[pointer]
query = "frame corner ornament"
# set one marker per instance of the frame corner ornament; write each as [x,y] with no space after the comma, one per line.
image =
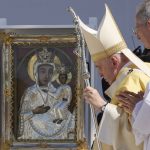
[82,145]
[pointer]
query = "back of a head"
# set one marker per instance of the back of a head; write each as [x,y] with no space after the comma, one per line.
[143,11]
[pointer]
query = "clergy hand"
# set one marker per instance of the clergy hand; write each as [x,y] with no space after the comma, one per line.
[41,109]
[128,99]
[92,97]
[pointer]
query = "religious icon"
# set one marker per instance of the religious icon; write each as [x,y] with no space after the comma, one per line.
[44,110]
[42,86]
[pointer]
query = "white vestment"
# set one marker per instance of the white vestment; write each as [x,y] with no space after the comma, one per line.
[42,126]
[64,96]
[141,120]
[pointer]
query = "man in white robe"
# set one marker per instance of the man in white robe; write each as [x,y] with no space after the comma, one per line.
[140,110]
[110,55]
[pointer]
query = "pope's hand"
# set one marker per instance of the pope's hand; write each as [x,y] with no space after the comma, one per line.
[92,97]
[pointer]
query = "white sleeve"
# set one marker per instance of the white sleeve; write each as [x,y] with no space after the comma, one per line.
[108,128]
[141,121]
[136,110]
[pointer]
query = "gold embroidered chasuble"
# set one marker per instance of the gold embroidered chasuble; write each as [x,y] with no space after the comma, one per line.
[115,128]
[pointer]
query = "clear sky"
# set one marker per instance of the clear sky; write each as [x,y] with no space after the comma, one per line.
[53,12]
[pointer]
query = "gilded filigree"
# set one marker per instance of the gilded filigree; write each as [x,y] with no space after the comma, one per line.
[19,59]
[8,92]
[82,145]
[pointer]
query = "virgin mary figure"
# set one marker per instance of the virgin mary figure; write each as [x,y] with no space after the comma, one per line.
[37,107]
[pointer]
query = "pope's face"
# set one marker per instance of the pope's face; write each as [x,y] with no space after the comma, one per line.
[106,70]
[45,73]
[143,32]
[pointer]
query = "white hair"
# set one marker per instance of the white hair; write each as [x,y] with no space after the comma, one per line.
[143,11]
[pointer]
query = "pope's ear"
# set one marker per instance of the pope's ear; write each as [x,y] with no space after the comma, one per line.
[115,61]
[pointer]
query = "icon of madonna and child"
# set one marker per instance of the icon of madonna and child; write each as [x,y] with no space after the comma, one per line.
[44,112]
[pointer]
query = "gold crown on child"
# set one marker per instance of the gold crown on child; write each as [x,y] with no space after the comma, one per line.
[63,69]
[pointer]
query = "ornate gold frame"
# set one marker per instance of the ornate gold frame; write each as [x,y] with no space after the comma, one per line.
[7,139]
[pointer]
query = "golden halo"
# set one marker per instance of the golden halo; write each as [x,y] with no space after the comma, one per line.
[69,77]
[33,60]
[31,63]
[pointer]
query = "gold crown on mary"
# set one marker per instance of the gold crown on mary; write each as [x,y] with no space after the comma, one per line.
[45,56]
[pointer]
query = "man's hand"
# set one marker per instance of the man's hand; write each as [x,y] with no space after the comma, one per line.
[128,99]
[41,109]
[92,97]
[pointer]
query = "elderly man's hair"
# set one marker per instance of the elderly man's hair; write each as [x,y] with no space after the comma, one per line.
[143,11]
